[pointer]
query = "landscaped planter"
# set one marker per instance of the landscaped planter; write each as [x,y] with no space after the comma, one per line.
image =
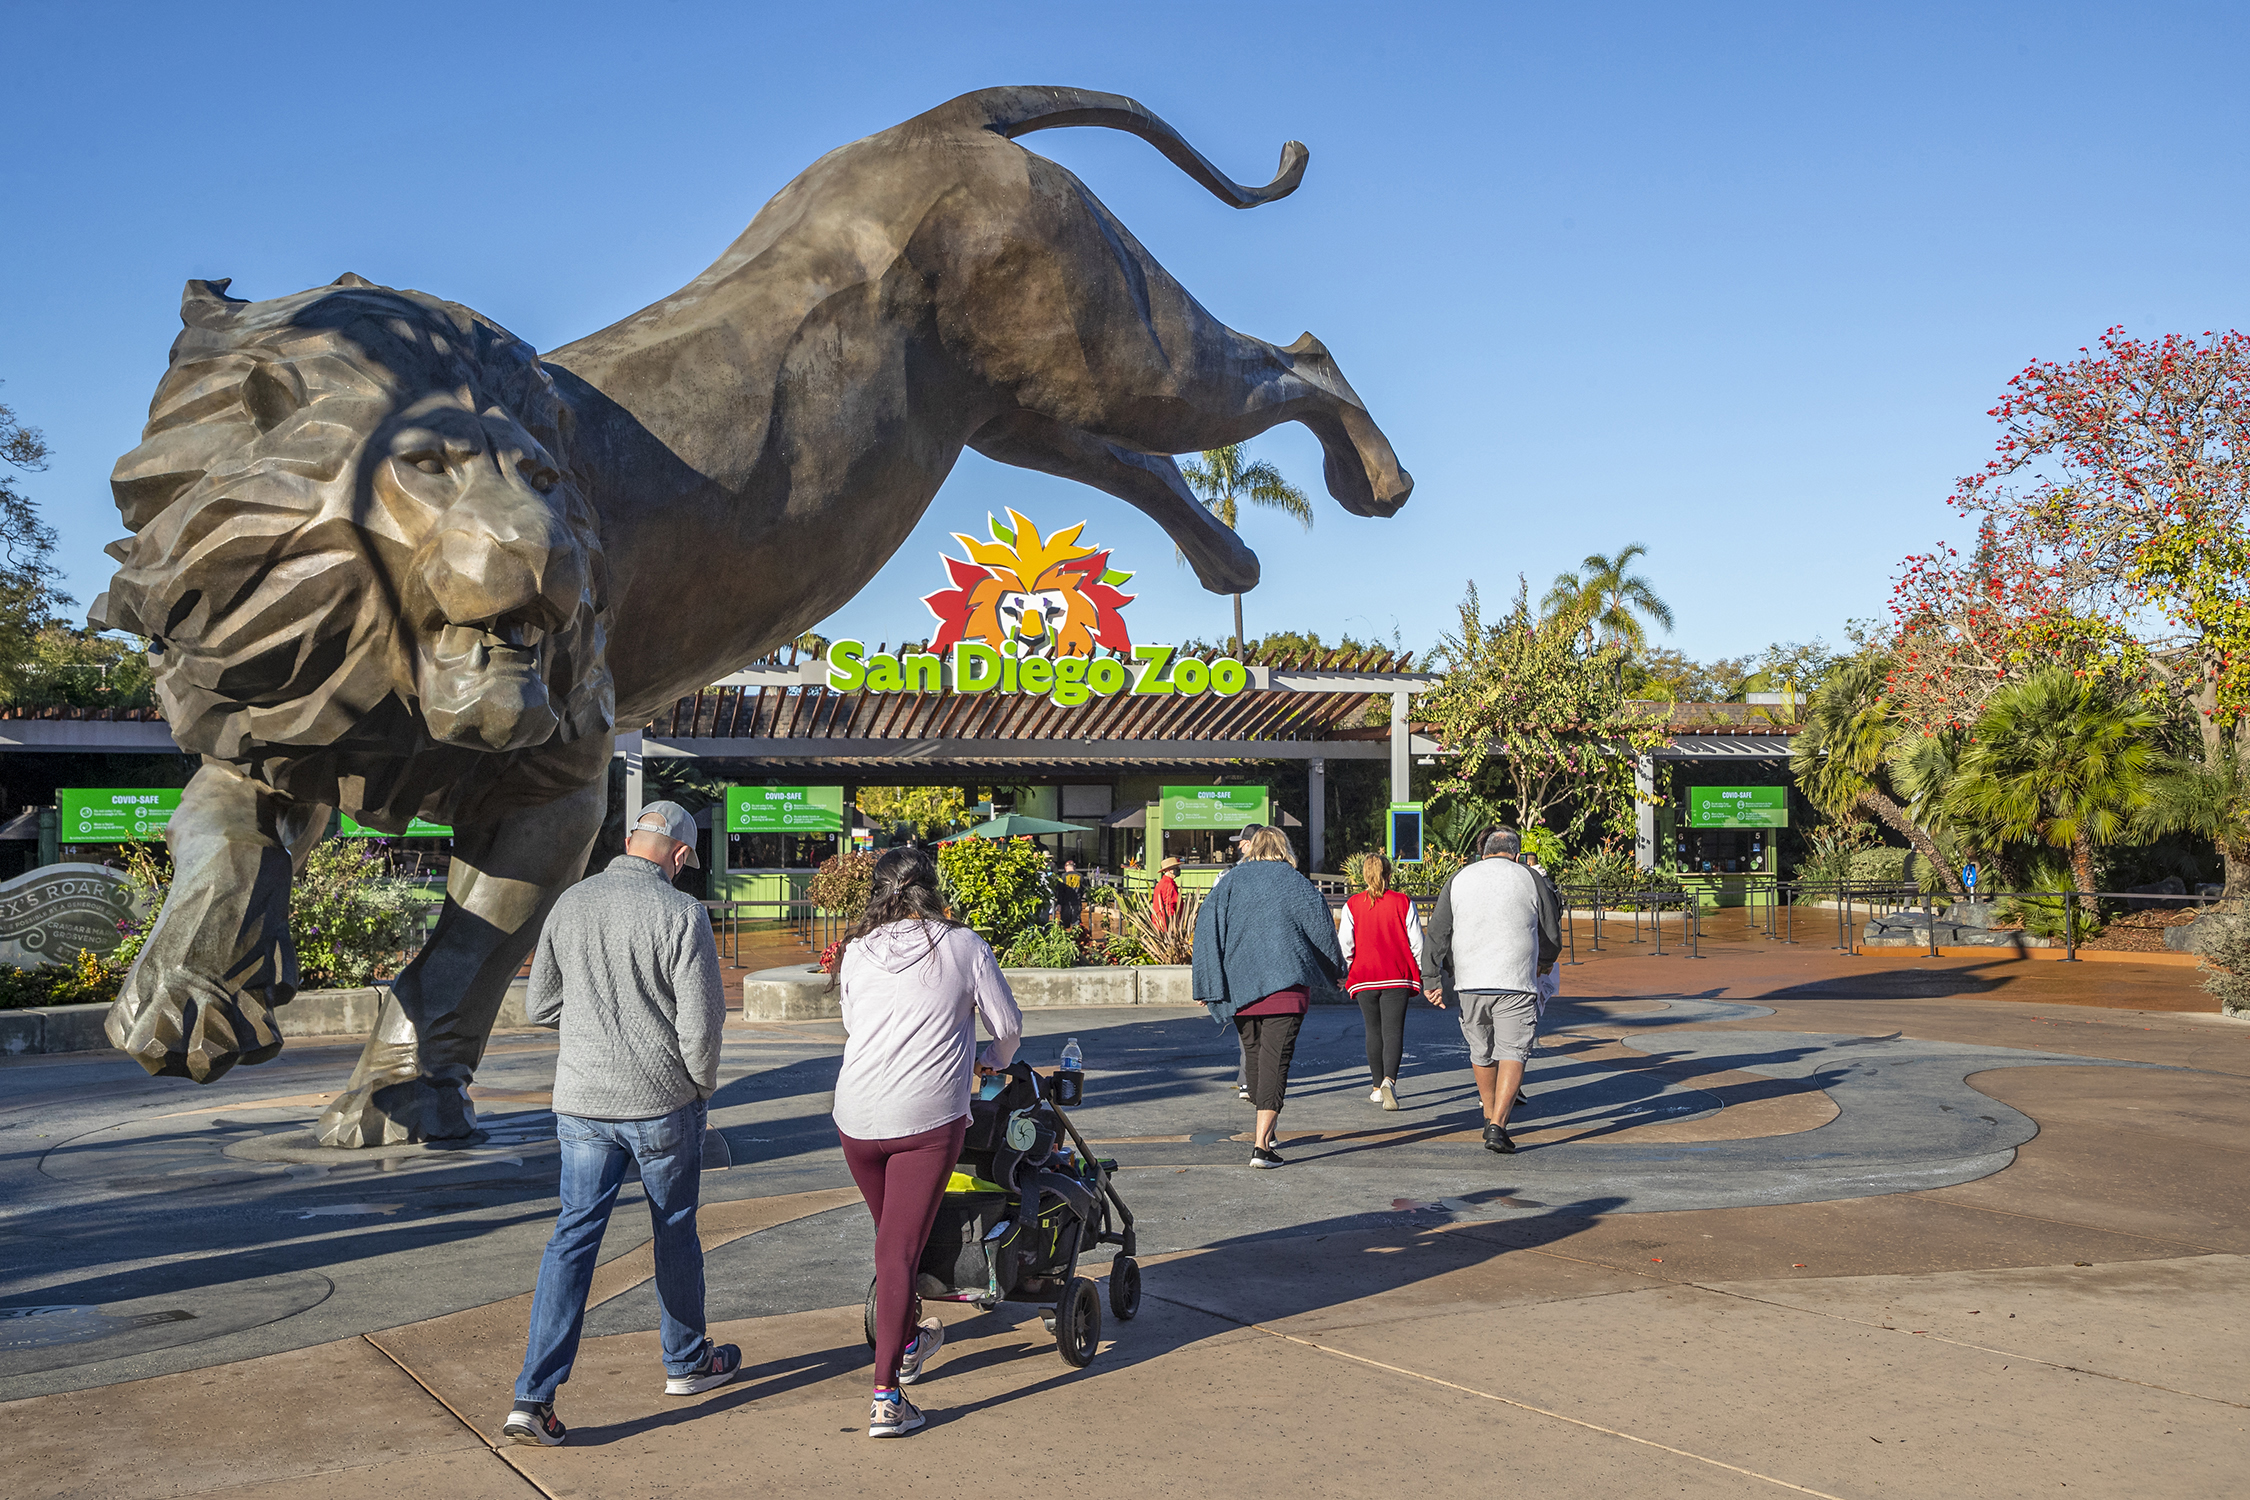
[78,1028]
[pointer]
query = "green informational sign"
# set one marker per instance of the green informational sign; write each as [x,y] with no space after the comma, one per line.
[785,809]
[1738,807]
[1213,807]
[418,829]
[113,815]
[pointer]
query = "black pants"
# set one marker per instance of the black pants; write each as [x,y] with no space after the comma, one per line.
[1268,1042]
[1384,1012]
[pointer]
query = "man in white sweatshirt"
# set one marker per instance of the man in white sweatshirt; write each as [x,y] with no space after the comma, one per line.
[1496,930]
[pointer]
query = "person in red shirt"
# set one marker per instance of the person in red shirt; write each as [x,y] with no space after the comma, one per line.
[1380,934]
[1167,898]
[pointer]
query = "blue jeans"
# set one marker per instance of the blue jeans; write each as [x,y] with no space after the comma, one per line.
[594,1152]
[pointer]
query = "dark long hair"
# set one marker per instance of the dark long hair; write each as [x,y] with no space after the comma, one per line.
[902,888]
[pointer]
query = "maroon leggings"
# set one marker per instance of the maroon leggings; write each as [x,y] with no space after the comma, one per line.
[903,1180]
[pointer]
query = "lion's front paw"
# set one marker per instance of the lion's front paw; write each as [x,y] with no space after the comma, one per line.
[184,1026]
[386,1112]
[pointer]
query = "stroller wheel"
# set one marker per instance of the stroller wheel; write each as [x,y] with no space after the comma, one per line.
[869,1321]
[1124,1287]
[1078,1323]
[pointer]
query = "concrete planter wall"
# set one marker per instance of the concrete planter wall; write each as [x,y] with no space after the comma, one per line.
[797,993]
[78,1028]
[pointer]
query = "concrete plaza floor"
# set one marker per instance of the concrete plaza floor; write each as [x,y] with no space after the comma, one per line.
[1786,1221]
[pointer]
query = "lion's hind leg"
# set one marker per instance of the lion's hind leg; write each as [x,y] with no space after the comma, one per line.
[200,997]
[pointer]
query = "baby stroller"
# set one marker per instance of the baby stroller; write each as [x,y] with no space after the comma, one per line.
[1028,1198]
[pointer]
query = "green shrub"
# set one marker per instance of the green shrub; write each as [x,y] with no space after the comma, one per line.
[352,923]
[89,979]
[1049,947]
[2042,913]
[2226,962]
[997,886]
[1609,868]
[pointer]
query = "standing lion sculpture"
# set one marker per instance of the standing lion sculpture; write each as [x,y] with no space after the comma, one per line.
[391,560]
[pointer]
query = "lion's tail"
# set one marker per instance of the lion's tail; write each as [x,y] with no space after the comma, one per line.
[1018,111]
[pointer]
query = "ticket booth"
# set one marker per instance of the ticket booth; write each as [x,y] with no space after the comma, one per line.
[1726,839]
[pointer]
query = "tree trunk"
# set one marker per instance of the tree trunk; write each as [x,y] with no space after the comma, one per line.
[1894,817]
[2082,863]
[1238,625]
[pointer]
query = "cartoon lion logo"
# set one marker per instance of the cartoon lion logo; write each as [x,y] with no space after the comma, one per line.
[1049,595]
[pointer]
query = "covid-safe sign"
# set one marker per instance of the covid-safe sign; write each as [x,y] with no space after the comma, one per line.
[1040,616]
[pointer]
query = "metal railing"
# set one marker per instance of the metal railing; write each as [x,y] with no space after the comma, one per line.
[1769,910]
[805,921]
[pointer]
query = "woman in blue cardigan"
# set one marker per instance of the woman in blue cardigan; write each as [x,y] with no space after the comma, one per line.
[1263,939]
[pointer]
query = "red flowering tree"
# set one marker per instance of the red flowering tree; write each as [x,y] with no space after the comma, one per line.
[2117,498]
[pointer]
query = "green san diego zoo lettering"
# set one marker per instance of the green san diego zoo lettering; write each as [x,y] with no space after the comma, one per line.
[1068,681]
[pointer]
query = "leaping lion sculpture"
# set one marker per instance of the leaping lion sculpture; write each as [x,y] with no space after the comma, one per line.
[389,559]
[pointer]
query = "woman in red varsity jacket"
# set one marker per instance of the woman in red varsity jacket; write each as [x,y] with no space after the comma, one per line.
[1380,934]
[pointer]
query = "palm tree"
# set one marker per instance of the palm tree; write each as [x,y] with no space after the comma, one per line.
[1844,751]
[1608,596]
[1222,481]
[2059,758]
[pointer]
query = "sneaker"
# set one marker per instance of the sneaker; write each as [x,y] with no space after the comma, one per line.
[1496,1139]
[534,1422]
[1375,1094]
[895,1417]
[1266,1157]
[926,1343]
[1386,1098]
[721,1362]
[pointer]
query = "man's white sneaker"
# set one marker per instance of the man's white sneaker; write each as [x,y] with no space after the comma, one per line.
[1375,1094]
[916,1359]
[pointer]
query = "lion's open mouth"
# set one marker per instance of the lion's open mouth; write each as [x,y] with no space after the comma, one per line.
[487,686]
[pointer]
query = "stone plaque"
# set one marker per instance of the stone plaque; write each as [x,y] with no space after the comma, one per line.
[47,916]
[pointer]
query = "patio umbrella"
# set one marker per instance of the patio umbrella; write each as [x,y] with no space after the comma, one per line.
[1016,826]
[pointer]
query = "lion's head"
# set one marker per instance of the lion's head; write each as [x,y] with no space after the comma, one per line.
[358,499]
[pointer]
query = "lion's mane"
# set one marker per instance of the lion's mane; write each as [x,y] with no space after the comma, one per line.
[263,569]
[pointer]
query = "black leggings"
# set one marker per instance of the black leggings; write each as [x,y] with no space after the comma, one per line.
[1384,1012]
[1268,1042]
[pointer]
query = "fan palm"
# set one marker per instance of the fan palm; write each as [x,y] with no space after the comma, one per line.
[1608,595]
[1842,755]
[2061,759]
[1223,480]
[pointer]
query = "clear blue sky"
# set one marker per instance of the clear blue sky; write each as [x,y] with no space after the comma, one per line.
[1736,281]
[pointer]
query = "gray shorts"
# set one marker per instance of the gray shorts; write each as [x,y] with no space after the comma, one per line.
[1498,1025]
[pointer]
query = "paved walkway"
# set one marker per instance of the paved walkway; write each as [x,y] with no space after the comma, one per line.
[1787,1222]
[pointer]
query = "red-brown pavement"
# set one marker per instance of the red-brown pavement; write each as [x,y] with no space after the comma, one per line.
[2072,1324]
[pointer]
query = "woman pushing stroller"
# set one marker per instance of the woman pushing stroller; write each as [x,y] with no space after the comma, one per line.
[914,984]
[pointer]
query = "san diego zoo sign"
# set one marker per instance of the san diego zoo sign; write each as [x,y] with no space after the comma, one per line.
[1029,615]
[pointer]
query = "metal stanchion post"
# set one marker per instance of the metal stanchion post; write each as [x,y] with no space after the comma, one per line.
[2070,927]
[1695,933]
[1570,930]
[1933,927]
[1657,919]
[1597,919]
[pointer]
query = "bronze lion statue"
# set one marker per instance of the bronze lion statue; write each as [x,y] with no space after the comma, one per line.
[390,559]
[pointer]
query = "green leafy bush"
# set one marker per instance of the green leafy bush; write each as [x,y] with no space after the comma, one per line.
[842,882]
[2226,962]
[997,886]
[2041,907]
[88,979]
[1608,867]
[351,922]
[1047,947]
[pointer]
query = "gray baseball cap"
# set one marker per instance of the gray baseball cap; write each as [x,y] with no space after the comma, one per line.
[674,822]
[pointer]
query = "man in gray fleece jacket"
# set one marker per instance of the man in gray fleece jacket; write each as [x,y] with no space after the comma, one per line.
[626,967]
[1497,928]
